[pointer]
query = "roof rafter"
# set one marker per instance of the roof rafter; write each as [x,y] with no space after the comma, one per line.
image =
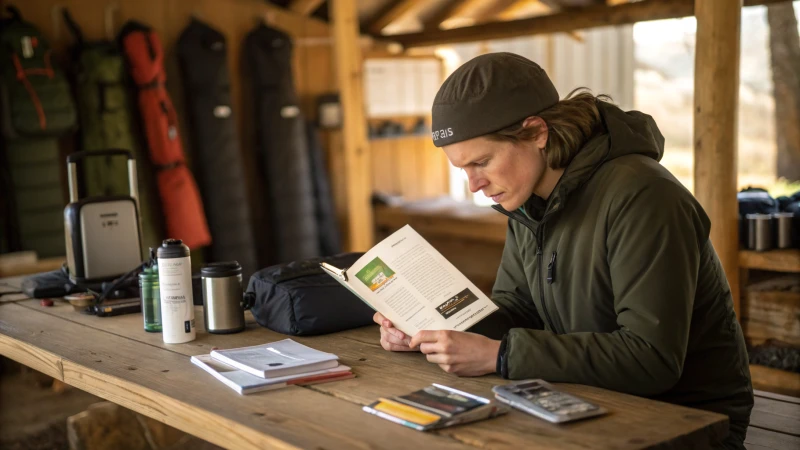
[569,20]
[305,7]
[393,11]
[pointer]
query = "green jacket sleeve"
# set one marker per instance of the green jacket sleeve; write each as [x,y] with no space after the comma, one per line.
[655,233]
[511,295]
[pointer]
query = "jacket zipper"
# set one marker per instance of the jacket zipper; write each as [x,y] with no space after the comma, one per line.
[541,280]
[551,269]
[540,239]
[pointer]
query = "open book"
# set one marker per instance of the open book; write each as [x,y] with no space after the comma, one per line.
[404,278]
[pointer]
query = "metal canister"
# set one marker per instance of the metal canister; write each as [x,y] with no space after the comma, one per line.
[223,303]
[759,232]
[783,229]
[151,299]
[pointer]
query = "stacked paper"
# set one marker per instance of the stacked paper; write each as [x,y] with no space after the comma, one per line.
[272,366]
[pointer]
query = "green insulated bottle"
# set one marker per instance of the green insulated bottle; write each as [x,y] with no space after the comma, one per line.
[151,299]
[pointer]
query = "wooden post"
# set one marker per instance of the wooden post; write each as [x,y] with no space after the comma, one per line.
[360,229]
[716,96]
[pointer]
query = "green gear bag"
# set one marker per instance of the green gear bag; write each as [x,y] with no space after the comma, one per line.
[107,122]
[35,108]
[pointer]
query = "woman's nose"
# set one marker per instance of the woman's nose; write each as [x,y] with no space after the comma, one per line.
[477,183]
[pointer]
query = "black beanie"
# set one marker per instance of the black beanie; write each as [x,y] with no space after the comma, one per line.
[487,94]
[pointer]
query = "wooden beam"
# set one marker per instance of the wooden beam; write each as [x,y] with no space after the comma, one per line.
[494,10]
[716,96]
[393,11]
[305,7]
[589,17]
[514,10]
[448,11]
[354,133]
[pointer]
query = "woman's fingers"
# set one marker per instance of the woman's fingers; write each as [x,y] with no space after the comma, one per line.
[391,343]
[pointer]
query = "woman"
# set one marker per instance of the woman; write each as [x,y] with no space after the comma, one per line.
[608,277]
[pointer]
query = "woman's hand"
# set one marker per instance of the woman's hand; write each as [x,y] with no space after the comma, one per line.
[392,339]
[458,352]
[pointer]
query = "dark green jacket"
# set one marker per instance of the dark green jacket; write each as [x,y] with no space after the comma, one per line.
[613,282]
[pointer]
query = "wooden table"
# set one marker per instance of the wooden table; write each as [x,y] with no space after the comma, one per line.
[116,359]
[774,422]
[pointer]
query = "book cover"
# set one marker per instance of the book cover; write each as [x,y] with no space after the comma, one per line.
[276,359]
[246,383]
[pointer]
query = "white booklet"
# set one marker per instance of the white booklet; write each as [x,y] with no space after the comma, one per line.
[408,281]
[245,383]
[277,359]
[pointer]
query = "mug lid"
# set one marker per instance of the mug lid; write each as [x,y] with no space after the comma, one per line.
[221,269]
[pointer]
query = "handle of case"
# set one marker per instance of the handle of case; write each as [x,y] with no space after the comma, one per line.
[77,156]
[72,171]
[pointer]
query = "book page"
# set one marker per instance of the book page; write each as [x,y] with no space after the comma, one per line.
[413,285]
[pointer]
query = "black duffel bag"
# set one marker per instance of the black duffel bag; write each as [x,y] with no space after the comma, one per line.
[300,299]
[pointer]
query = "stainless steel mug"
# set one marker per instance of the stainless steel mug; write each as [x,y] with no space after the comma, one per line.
[783,229]
[759,232]
[223,302]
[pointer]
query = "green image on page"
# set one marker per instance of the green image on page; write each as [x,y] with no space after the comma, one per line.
[375,274]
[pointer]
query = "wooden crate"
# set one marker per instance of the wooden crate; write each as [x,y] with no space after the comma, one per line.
[771,310]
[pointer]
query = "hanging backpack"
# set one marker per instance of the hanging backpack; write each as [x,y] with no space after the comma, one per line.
[282,147]
[36,108]
[216,155]
[182,208]
[106,122]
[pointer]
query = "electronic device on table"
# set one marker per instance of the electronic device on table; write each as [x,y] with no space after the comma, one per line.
[539,398]
[102,232]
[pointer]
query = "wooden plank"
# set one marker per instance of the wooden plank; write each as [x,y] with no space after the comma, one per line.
[786,260]
[634,422]
[715,122]
[577,19]
[774,396]
[446,11]
[775,380]
[164,385]
[775,415]
[446,218]
[394,10]
[38,266]
[770,309]
[495,10]
[305,7]
[758,439]
[349,68]
[11,284]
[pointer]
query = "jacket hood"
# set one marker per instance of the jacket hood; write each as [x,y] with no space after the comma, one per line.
[625,133]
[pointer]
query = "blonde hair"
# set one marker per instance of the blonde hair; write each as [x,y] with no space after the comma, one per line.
[570,123]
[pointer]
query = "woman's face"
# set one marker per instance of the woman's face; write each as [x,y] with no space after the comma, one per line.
[506,172]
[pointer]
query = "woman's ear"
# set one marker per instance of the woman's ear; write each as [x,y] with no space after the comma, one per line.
[538,123]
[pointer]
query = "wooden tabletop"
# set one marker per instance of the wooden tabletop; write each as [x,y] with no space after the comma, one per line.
[116,359]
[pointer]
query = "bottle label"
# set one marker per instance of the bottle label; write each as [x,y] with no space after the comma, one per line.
[177,305]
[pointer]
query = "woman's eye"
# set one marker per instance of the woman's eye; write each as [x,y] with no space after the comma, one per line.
[482,163]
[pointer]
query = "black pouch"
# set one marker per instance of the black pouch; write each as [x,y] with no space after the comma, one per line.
[300,299]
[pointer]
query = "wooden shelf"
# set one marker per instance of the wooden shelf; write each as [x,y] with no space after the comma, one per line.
[776,260]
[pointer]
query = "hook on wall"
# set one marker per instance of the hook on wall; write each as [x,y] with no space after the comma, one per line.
[108,19]
[56,16]
[269,18]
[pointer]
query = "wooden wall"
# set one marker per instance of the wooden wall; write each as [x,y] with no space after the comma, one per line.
[409,166]
[313,60]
